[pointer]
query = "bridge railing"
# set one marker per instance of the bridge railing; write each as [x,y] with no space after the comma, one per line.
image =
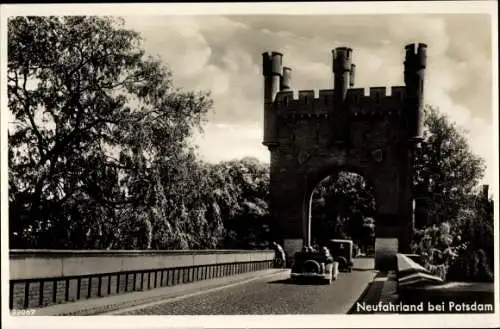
[410,273]
[40,278]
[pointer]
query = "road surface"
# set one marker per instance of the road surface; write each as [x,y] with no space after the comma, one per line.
[271,295]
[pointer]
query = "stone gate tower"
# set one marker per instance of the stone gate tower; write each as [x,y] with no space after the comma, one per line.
[373,134]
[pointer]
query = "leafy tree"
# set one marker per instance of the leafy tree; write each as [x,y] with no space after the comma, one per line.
[196,221]
[241,193]
[98,126]
[475,257]
[446,170]
[461,249]
[456,230]
[340,208]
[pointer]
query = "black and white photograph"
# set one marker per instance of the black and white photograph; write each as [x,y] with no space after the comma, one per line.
[327,164]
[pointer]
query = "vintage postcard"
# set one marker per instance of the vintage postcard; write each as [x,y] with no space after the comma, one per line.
[227,165]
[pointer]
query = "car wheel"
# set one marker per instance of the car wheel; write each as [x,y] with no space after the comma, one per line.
[311,266]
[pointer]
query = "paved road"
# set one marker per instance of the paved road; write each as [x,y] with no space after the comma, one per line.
[272,295]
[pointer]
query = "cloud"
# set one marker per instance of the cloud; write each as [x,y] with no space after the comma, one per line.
[223,55]
[177,40]
[221,142]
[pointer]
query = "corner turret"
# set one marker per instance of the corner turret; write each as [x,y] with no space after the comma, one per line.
[414,74]
[272,68]
[352,75]
[343,78]
[286,79]
[341,71]
[272,71]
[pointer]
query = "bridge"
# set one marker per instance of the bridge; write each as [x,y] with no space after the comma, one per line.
[208,282]
[171,282]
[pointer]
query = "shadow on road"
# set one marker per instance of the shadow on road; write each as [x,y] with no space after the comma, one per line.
[282,281]
[311,282]
[358,269]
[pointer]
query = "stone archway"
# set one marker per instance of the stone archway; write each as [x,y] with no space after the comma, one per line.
[324,188]
[374,134]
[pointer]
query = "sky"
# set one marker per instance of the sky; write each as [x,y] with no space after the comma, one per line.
[222,54]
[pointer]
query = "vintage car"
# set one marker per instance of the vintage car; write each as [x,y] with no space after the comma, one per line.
[314,266]
[341,251]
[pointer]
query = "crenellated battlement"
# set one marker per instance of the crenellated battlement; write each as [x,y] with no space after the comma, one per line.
[358,100]
[343,105]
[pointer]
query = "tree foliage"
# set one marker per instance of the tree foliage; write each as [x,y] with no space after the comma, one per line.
[461,249]
[99,154]
[242,192]
[475,256]
[446,170]
[96,124]
[343,207]
[455,222]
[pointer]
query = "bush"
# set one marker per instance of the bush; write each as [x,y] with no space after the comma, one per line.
[462,249]
[471,265]
[438,270]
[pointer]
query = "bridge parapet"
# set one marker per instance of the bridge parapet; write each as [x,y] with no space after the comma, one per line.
[43,277]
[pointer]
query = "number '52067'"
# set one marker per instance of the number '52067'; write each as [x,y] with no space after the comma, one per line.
[22,312]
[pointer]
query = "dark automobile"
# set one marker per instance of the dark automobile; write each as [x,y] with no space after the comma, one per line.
[314,265]
[341,251]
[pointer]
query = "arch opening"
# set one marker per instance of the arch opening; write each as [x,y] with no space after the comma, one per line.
[342,205]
